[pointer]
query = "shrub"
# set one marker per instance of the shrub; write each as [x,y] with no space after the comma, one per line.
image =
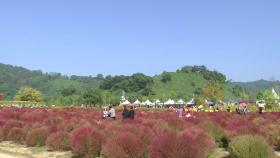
[190,143]
[17,135]
[124,145]
[217,133]
[37,137]
[86,142]
[248,146]
[241,126]
[59,141]
[8,126]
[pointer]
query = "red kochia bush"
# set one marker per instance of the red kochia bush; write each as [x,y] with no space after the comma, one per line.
[37,137]
[190,143]
[59,141]
[86,142]
[8,126]
[17,135]
[124,145]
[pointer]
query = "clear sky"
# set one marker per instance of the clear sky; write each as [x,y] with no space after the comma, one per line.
[240,38]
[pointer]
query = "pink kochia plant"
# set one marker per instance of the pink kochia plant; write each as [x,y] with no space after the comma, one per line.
[124,145]
[59,141]
[190,143]
[86,142]
[153,133]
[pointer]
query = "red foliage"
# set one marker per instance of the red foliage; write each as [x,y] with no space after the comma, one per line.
[37,137]
[190,143]
[8,126]
[59,141]
[17,135]
[153,133]
[124,145]
[86,142]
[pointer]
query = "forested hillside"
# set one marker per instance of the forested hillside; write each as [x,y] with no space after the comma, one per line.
[185,83]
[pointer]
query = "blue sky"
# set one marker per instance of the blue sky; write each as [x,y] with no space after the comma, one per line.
[238,38]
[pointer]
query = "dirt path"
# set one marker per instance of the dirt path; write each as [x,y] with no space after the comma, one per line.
[3,155]
[21,151]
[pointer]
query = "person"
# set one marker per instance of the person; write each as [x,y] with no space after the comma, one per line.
[245,110]
[261,107]
[180,112]
[125,113]
[228,109]
[112,112]
[105,113]
[188,114]
[238,110]
[131,113]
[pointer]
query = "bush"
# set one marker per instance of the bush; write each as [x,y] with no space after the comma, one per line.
[217,133]
[124,145]
[37,137]
[248,146]
[8,126]
[59,141]
[17,135]
[190,143]
[86,142]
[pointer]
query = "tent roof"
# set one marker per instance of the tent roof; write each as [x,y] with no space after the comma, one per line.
[157,101]
[180,102]
[126,102]
[137,102]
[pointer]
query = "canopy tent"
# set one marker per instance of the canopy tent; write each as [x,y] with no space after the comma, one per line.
[191,102]
[275,95]
[137,102]
[126,102]
[169,102]
[180,102]
[157,102]
[148,102]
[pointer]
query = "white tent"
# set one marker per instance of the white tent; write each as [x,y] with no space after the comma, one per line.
[126,103]
[148,102]
[191,102]
[180,102]
[157,102]
[137,102]
[172,102]
[169,102]
[275,95]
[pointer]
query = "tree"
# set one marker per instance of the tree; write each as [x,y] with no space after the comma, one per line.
[166,77]
[92,97]
[240,92]
[29,94]
[269,98]
[213,91]
[100,77]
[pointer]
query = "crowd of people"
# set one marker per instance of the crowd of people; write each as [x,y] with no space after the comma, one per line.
[128,113]
[182,111]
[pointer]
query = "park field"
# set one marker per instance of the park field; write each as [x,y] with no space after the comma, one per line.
[154,133]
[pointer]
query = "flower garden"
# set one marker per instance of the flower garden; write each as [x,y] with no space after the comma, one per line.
[154,133]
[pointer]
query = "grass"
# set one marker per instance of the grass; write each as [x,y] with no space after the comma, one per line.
[182,85]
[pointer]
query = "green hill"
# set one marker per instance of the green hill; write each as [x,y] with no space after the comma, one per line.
[186,82]
[56,87]
[182,85]
[255,86]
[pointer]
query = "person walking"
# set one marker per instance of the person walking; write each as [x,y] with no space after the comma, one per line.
[125,113]
[131,113]
[112,112]
[105,113]
[180,112]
